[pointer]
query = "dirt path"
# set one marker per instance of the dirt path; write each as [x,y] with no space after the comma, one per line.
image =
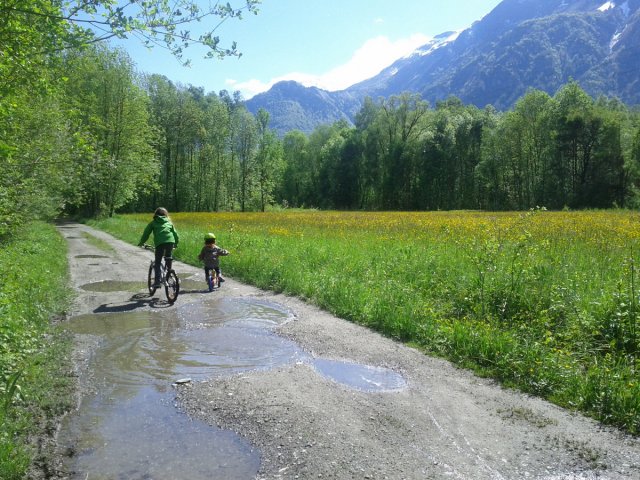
[446,424]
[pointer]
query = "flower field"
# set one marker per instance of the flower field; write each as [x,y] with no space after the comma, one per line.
[543,301]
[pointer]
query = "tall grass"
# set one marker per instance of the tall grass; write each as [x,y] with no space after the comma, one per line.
[34,382]
[544,301]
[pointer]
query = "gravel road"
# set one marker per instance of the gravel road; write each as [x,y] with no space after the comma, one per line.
[445,424]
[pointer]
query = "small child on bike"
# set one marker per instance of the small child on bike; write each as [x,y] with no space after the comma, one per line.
[165,239]
[209,255]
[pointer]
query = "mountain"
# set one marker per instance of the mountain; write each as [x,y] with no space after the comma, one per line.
[295,107]
[521,44]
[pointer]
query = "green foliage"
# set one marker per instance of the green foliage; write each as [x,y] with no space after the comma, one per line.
[32,360]
[75,128]
[213,154]
[111,110]
[39,159]
[567,150]
[34,32]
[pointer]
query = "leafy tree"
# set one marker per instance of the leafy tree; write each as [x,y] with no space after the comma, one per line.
[216,171]
[41,155]
[296,179]
[33,32]
[243,144]
[348,172]
[589,163]
[372,148]
[268,160]
[111,113]
[632,170]
[515,171]
[399,124]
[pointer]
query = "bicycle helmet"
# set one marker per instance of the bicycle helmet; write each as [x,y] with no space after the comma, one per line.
[210,236]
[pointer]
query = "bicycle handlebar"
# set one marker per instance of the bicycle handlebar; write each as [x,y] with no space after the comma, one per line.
[146,246]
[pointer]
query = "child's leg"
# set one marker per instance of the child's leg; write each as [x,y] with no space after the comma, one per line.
[166,250]
[219,274]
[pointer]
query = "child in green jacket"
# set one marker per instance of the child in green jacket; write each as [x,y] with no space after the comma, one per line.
[165,239]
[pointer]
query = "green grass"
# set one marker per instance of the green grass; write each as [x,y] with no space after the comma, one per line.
[546,302]
[35,383]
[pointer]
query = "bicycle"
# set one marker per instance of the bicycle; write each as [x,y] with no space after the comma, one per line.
[169,279]
[213,280]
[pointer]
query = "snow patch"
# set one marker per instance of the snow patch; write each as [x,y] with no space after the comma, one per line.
[607,6]
[436,44]
[614,40]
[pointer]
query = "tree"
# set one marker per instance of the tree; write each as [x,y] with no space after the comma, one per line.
[296,176]
[400,126]
[112,117]
[216,169]
[41,160]
[33,32]
[268,160]
[633,173]
[243,144]
[515,171]
[588,150]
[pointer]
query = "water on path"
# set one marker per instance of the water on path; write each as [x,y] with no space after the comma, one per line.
[129,427]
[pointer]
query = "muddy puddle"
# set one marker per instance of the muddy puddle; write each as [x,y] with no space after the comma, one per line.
[129,427]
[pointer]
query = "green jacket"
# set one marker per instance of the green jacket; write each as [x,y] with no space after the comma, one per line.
[163,232]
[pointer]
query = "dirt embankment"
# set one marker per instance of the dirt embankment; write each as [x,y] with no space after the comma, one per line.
[447,423]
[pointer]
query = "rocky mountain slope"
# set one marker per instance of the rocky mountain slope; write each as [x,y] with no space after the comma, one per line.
[521,44]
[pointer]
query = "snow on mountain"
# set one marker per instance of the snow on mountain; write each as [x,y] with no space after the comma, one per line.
[607,6]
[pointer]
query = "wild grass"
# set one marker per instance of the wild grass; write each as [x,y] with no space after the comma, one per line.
[543,301]
[33,355]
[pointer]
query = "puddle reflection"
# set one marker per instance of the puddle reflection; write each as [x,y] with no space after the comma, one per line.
[360,377]
[130,428]
[143,437]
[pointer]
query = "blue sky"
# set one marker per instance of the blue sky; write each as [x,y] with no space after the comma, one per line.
[331,44]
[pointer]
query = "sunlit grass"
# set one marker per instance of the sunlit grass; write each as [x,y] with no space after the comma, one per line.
[545,301]
[35,383]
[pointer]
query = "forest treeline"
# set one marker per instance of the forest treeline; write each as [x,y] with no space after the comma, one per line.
[91,136]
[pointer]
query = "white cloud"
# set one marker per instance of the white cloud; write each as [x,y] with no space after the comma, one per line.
[375,55]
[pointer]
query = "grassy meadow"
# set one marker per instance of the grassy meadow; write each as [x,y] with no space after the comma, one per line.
[546,302]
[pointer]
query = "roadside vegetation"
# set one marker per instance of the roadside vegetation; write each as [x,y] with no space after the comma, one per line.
[546,302]
[36,386]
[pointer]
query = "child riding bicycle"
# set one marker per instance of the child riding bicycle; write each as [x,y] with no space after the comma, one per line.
[165,239]
[209,255]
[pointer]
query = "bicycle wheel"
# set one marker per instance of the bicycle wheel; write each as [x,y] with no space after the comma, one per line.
[151,280]
[216,280]
[210,281]
[172,286]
